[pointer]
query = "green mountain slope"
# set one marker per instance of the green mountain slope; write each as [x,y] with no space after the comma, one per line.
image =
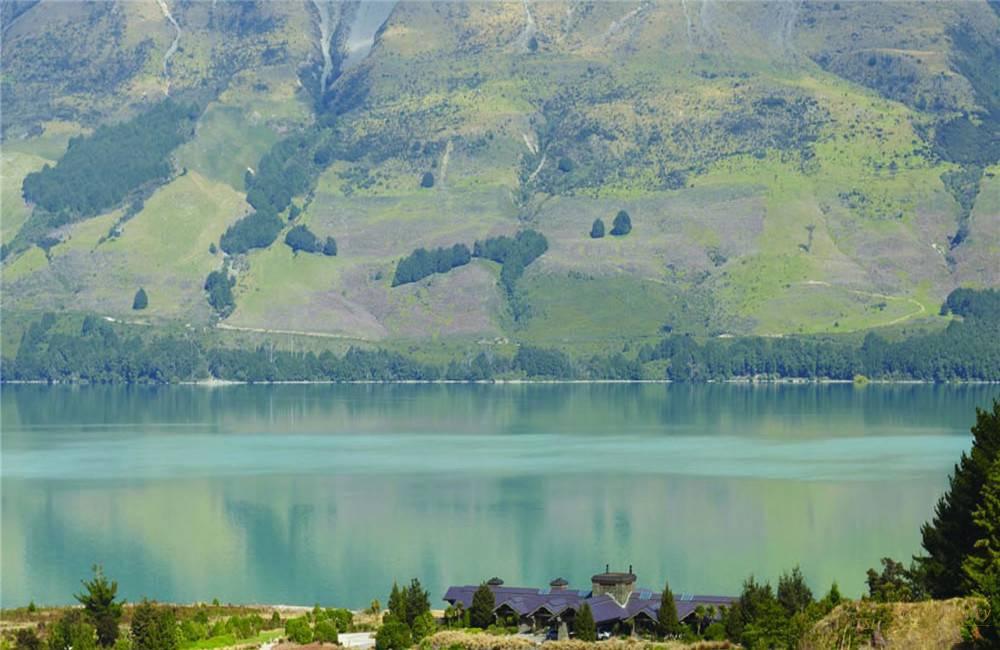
[788,167]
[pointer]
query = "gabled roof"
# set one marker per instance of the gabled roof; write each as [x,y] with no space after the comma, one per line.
[527,601]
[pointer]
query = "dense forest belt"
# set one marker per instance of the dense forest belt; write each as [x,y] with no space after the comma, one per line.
[967,350]
[104,170]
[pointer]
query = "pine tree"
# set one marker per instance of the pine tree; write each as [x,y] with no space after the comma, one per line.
[397,604]
[417,603]
[583,626]
[330,247]
[622,224]
[153,628]
[793,592]
[597,230]
[666,618]
[141,300]
[481,611]
[98,601]
[951,537]
[833,596]
[984,562]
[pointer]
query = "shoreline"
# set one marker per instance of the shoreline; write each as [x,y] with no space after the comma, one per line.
[218,383]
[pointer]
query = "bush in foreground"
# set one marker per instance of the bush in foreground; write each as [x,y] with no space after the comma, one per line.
[449,639]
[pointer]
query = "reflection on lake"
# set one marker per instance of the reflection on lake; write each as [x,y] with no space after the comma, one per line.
[304,494]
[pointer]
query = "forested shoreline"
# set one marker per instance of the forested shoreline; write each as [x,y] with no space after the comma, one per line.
[966,350]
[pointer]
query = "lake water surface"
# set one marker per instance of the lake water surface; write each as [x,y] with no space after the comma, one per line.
[303,494]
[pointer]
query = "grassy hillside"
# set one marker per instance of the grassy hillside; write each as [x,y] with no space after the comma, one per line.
[927,624]
[817,168]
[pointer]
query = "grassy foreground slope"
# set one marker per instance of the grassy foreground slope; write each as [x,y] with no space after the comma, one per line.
[926,624]
[786,168]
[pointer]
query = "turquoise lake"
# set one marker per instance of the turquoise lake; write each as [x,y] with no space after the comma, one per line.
[300,494]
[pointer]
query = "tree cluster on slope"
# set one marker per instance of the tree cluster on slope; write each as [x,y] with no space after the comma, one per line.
[422,262]
[98,171]
[408,619]
[219,286]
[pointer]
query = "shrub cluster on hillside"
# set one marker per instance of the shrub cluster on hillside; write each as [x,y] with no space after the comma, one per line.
[288,169]
[219,286]
[514,254]
[257,230]
[622,224]
[98,171]
[422,262]
[300,238]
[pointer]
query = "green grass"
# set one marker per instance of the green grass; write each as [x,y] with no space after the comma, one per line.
[51,144]
[228,141]
[230,640]
[604,313]
[14,166]
[164,248]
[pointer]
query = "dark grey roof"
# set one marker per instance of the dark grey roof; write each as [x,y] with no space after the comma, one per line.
[494,581]
[559,582]
[526,601]
[613,578]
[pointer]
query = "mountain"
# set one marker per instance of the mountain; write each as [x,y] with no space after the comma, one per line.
[787,167]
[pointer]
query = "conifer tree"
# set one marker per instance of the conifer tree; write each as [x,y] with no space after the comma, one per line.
[622,224]
[141,300]
[984,562]
[153,628]
[417,603]
[952,535]
[583,626]
[481,611]
[666,619]
[397,604]
[103,611]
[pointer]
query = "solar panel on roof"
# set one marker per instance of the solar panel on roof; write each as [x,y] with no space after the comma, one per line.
[583,593]
[545,591]
[687,597]
[645,594]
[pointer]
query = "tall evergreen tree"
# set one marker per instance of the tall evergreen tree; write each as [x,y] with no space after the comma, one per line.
[417,602]
[481,611]
[984,562]
[103,611]
[153,627]
[793,592]
[583,626]
[397,604]
[666,619]
[952,535]
[141,300]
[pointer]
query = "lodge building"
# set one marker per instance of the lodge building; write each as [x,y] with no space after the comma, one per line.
[617,604]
